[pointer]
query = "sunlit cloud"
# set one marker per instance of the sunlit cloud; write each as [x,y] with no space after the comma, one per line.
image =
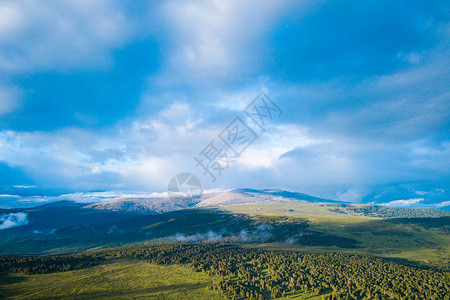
[404,202]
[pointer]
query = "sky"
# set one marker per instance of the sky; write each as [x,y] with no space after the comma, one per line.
[107,98]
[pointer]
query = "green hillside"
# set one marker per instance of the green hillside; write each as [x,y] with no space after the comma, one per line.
[425,240]
[347,228]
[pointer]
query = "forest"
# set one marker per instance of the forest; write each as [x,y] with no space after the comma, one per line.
[379,211]
[247,273]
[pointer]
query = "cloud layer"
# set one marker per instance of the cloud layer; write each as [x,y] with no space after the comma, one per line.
[102,96]
[13,220]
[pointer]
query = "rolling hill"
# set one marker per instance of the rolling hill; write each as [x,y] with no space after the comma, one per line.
[65,227]
[256,218]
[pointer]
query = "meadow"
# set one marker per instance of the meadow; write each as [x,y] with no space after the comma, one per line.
[112,279]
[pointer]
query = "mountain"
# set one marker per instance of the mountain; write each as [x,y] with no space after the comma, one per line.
[148,206]
[137,206]
[326,226]
[244,215]
[48,218]
[247,196]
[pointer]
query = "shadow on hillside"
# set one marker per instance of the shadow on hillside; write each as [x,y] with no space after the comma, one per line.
[170,291]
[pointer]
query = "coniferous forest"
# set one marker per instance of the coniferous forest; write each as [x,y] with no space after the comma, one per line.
[246,273]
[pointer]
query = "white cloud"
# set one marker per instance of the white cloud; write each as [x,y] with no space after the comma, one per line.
[8,196]
[208,236]
[36,35]
[146,153]
[98,197]
[442,204]
[24,186]
[404,202]
[350,195]
[10,99]
[421,193]
[254,159]
[141,154]
[13,220]
[271,145]
[11,18]
[236,100]
[213,38]
[92,197]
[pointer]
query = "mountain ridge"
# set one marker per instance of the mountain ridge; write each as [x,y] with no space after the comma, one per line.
[143,206]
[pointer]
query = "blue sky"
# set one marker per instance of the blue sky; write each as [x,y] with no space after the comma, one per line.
[101,98]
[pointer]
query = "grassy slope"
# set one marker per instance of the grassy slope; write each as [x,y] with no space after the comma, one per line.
[118,279]
[125,279]
[377,236]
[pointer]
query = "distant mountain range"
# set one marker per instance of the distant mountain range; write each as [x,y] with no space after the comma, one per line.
[146,206]
[69,226]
